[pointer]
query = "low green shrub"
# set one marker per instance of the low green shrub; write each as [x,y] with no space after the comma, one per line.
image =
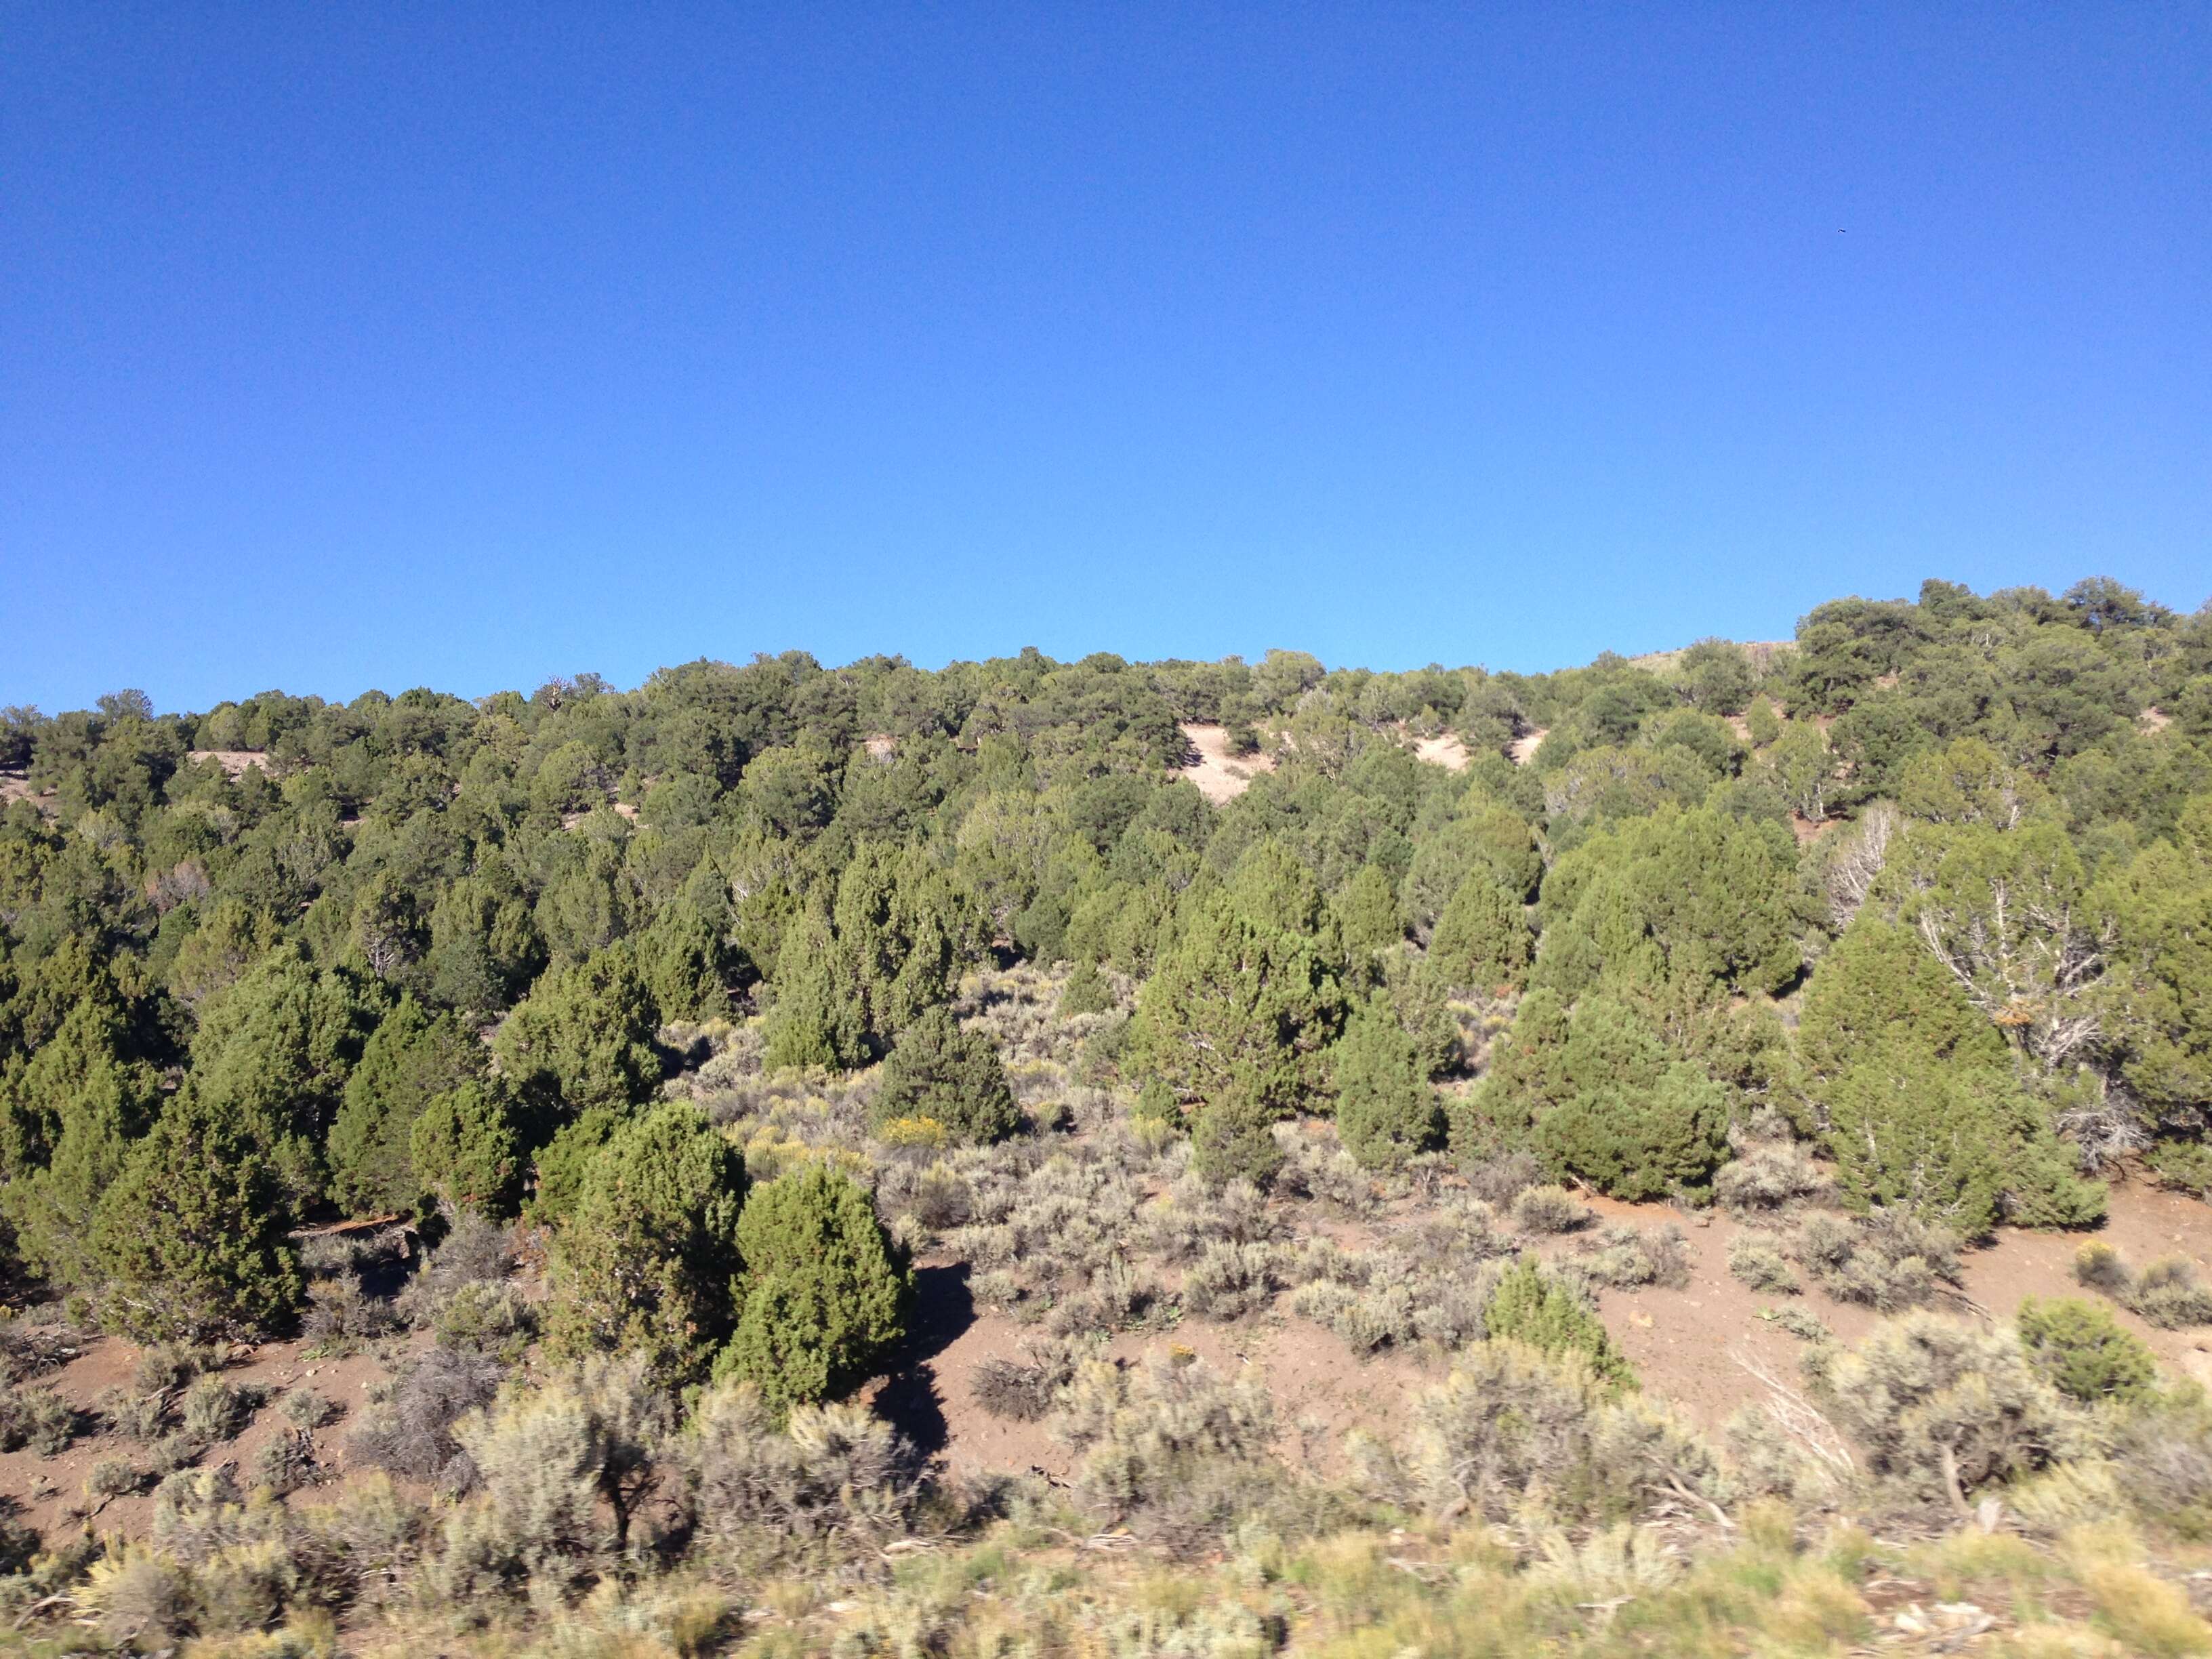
[2081,1349]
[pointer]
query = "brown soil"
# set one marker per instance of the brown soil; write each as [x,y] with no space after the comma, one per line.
[50,1490]
[1221,777]
[1686,1343]
[1692,1346]
[1522,750]
[1321,1388]
[1807,832]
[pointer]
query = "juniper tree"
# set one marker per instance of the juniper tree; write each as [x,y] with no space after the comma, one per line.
[826,1292]
[646,1263]
[190,1241]
[949,1075]
[1386,1109]
[1916,1095]
[582,1038]
[414,1055]
[1481,940]
[463,1148]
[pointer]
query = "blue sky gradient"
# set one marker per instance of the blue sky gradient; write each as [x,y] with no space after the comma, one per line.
[467,345]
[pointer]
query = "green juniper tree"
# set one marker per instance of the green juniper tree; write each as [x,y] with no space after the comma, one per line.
[826,1292]
[646,1263]
[190,1240]
[950,1076]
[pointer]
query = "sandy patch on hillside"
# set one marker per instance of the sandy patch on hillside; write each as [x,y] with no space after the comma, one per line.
[235,763]
[1761,655]
[1523,749]
[1447,751]
[1220,777]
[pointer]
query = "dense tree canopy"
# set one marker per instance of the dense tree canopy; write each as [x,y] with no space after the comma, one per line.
[1931,881]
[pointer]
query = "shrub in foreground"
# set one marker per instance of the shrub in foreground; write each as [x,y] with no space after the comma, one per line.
[828,1292]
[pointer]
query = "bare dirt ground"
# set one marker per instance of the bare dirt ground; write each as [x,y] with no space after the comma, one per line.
[50,1490]
[235,762]
[1524,748]
[1687,1344]
[1447,751]
[15,786]
[1221,777]
[1695,1347]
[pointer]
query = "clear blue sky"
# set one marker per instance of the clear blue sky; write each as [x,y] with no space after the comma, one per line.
[466,344]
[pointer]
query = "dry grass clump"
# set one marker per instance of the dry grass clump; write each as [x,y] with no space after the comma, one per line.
[37,1418]
[1805,1326]
[1375,1299]
[473,1252]
[1550,1210]
[1120,1296]
[1771,1182]
[219,1566]
[1886,1260]
[1019,1009]
[1230,1280]
[1169,1448]
[1026,1389]
[563,1470]
[2166,1293]
[1941,1409]
[487,1318]
[310,1409]
[178,1409]
[113,1477]
[1316,1166]
[216,1409]
[29,1350]
[287,1462]
[146,1409]
[341,1315]
[1428,1288]
[745,1480]
[1758,1264]
[2101,1267]
[1516,1433]
[1625,1258]
[928,1198]
[408,1428]
[1055,1239]
[1499,1181]
[1189,1218]
[788,1117]
[166,1367]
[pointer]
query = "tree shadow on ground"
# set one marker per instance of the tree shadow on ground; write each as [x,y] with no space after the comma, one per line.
[909,1399]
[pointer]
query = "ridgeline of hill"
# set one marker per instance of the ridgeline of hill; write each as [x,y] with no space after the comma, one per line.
[1702,1152]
